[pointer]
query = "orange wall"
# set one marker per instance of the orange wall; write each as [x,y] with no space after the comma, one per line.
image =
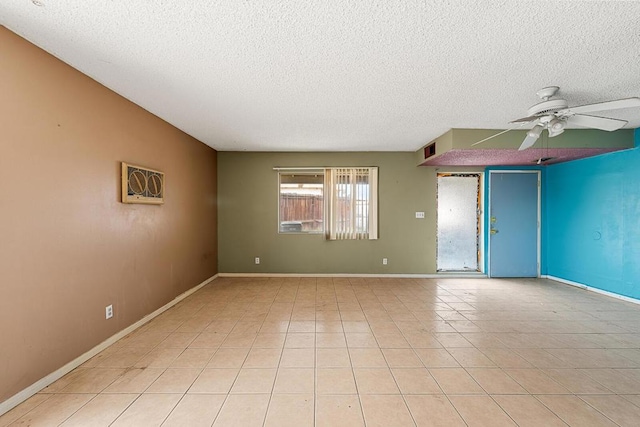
[68,247]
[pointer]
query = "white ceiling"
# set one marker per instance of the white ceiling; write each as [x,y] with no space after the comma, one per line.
[340,75]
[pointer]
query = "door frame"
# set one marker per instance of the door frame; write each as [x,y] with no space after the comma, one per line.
[538,213]
[481,217]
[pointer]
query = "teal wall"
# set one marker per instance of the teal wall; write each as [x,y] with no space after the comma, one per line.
[593,221]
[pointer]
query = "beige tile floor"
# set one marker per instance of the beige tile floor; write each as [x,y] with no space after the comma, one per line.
[365,351]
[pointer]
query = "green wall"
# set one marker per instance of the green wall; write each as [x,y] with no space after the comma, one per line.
[248,217]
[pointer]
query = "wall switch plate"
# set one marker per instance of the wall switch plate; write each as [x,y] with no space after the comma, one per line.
[385,261]
[420,215]
[257,260]
[108,312]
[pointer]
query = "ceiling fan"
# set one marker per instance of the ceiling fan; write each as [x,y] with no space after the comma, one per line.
[555,114]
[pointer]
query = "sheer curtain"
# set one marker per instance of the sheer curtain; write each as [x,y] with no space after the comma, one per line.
[352,211]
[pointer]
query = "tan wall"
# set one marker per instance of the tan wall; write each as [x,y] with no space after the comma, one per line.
[248,215]
[68,247]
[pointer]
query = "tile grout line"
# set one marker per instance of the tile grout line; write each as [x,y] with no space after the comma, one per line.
[355,381]
[273,386]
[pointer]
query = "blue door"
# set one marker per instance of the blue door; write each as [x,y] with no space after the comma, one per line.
[513,224]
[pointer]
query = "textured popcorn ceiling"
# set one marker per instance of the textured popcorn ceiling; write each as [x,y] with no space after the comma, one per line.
[340,74]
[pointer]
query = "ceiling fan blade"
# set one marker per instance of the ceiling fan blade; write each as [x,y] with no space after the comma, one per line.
[524,119]
[602,123]
[528,142]
[492,136]
[606,106]
[499,133]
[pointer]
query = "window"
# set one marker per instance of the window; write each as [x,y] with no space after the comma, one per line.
[345,197]
[301,202]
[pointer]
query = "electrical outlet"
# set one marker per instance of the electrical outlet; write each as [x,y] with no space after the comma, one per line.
[420,215]
[257,260]
[385,261]
[108,311]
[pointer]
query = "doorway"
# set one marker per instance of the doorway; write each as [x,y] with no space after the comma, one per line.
[514,223]
[459,222]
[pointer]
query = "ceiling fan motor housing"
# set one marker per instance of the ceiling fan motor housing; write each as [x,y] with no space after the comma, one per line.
[546,107]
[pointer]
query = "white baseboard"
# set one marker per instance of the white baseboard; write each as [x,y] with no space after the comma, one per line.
[405,276]
[592,289]
[23,395]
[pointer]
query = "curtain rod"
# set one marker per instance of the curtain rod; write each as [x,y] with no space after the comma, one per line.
[315,168]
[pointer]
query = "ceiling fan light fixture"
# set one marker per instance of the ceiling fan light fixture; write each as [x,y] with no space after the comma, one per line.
[556,125]
[535,131]
[553,133]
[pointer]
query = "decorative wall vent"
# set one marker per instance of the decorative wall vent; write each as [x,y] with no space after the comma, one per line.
[430,150]
[142,185]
